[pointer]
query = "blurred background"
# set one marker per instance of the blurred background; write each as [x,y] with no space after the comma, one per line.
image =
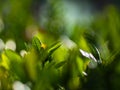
[79,22]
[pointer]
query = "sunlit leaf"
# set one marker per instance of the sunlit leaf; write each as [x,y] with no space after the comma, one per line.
[60,64]
[5,61]
[36,43]
[31,64]
[16,64]
[55,47]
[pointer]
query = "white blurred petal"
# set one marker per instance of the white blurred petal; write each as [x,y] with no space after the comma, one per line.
[17,85]
[67,42]
[23,52]
[26,87]
[10,44]
[84,53]
[84,73]
[88,55]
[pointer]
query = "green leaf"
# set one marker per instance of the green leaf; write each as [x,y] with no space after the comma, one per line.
[16,64]
[55,43]
[55,47]
[60,64]
[13,56]
[27,46]
[31,62]
[36,43]
[50,52]
[96,53]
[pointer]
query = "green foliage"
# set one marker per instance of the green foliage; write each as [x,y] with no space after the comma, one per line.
[38,66]
[87,59]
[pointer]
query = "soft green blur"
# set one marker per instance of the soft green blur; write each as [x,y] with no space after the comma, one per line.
[55,50]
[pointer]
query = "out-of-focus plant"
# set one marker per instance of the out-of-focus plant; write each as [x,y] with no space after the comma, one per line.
[105,36]
[87,59]
[15,15]
[52,19]
[40,67]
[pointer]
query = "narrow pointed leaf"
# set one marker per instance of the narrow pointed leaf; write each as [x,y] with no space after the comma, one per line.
[36,43]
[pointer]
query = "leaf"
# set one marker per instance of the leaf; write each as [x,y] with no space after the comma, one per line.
[52,49]
[5,61]
[36,43]
[96,53]
[50,52]
[90,37]
[60,64]
[98,56]
[13,56]
[55,43]
[16,64]
[31,62]
[49,65]
[27,46]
